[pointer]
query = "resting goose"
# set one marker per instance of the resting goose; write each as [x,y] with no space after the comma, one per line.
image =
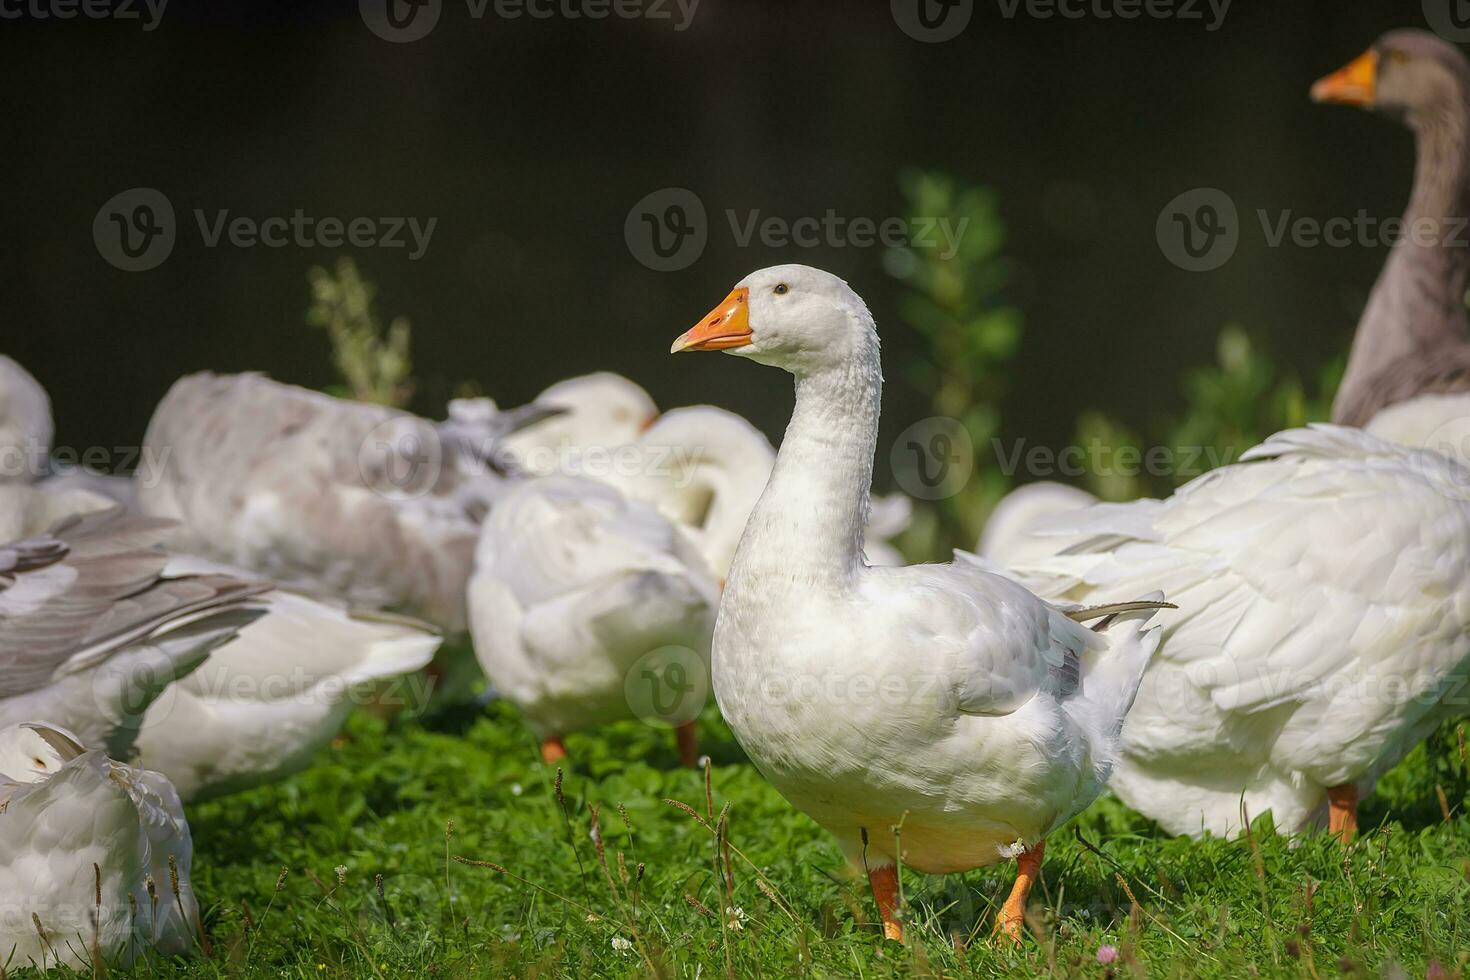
[91,629]
[89,853]
[1323,626]
[328,496]
[941,698]
[269,700]
[601,411]
[578,581]
[1409,371]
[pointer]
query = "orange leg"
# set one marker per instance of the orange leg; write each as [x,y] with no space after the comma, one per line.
[1012,918]
[885,892]
[688,745]
[1342,811]
[553,750]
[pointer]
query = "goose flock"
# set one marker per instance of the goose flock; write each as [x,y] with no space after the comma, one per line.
[1273,637]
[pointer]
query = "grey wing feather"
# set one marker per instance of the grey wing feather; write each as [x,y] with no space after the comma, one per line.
[71,598]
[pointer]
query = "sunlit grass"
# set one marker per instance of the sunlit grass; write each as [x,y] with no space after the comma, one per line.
[486,871]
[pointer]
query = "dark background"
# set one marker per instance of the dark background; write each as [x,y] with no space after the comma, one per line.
[530,140]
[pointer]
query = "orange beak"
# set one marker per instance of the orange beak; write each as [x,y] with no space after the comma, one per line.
[726,326]
[1353,84]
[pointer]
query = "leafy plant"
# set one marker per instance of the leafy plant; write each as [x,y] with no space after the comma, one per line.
[1229,406]
[373,361]
[954,302]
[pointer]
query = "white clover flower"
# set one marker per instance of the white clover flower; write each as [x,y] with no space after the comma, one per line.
[622,945]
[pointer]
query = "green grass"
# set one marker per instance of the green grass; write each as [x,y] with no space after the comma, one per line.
[404,799]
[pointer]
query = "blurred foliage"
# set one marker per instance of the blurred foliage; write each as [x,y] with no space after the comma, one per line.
[954,303]
[373,362]
[1229,406]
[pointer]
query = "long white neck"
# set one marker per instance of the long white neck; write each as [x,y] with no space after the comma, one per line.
[807,528]
[1417,307]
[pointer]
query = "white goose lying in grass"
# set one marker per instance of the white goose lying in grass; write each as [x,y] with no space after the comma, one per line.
[577,580]
[91,629]
[939,697]
[95,856]
[328,496]
[600,411]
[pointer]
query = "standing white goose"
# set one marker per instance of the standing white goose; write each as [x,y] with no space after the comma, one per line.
[333,497]
[578,580]
[89,853]
[941,698]
[92,631]
[1323,626]
[1322,599]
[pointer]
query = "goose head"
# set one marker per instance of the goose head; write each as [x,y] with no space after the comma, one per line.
[602,410]
[33,753]
[1412,74]
[794,317]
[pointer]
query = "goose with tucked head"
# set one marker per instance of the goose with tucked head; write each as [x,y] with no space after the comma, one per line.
[939,697]
[85,842]
[1411,352]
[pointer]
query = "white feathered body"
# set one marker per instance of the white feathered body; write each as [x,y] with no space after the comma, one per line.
[1321,630]
[60,831]
[263,706]
[574,582]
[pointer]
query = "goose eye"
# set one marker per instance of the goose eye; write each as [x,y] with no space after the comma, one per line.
[1398,57]
[782,289]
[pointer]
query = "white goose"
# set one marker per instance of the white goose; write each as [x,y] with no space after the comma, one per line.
[1323,605]
[1323,626]
[331,497]
[90,851]
[578,581]
[91,629]
[941,698]
[599,411]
